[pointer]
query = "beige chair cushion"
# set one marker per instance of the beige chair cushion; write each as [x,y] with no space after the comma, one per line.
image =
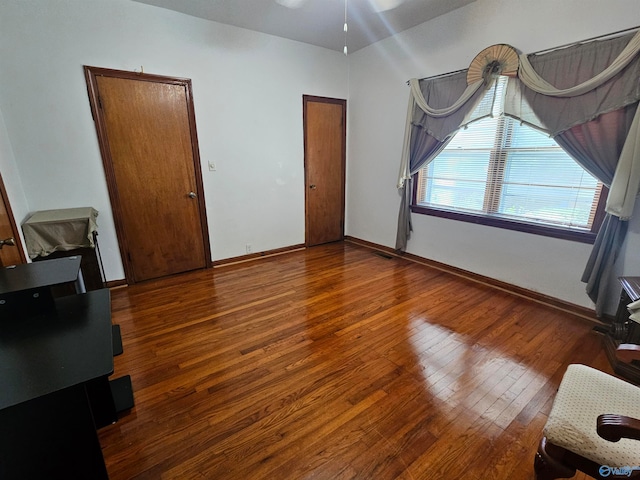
[584,394]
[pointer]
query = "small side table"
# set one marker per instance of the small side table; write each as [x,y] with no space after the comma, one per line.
[624,332]
[630,293]
[66,232]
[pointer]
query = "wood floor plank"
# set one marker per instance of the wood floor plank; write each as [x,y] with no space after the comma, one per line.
[336,363]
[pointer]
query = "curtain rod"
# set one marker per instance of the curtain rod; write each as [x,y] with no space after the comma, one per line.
[441,75]
[619,32]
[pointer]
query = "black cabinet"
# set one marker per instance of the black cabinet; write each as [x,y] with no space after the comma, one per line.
[29,289]
[56,357]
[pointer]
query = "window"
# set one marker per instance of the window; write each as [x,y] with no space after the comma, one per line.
[500,172]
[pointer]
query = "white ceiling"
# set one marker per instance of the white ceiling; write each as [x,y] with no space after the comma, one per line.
[318,22]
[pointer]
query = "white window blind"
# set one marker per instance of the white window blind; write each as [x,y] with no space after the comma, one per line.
[499,167]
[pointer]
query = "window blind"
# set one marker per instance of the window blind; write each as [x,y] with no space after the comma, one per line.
[499,167]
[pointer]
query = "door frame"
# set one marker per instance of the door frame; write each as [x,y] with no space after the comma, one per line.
[343,160]
[4,197]
[91,74]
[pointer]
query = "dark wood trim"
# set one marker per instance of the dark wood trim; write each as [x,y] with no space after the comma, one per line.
[629,370]
[92,89]
[230,261]
[614,427]
[116,283]
[492,221]
[12,222]
[258,255]
[343,166]
[195,148]
[598,218]
[556,303]
[512,224]
[313,98]
[91,74]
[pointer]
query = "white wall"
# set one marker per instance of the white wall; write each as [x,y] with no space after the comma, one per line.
[377,109]
[11,177]
[247,90]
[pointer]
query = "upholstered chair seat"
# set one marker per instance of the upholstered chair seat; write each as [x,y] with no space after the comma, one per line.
[571,434]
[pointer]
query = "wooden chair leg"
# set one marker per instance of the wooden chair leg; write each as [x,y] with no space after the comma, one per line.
[548,463]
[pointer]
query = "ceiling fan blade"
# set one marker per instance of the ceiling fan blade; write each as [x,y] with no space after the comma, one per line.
[384,5]
[291,3]
[377,5]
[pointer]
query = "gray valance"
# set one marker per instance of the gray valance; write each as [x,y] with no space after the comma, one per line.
[547,98]
[608,57]
[438,107]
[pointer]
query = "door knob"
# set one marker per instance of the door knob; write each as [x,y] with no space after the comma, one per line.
[312,186]
[192,195]
[8,241]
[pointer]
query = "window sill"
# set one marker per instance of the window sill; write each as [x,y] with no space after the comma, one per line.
[545,230]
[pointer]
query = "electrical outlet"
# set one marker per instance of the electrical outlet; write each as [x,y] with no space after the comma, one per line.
[249,248]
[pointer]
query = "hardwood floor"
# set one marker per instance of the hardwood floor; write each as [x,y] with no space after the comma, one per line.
[336,363]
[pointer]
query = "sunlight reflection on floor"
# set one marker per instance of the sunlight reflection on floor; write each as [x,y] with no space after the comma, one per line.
[451,368]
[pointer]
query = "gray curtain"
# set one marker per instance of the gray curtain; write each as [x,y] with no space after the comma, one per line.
[597,145]
[404,216]
[592,127]
[424,148]
[597,273]
[430,134]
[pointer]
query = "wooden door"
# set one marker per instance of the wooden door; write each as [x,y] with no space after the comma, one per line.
[12,252]
[147,135]
[325,128]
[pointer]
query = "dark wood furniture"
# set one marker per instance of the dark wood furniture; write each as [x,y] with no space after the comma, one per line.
[623,338]
[29,288]
[49,360]
[56,355]
[552,462]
